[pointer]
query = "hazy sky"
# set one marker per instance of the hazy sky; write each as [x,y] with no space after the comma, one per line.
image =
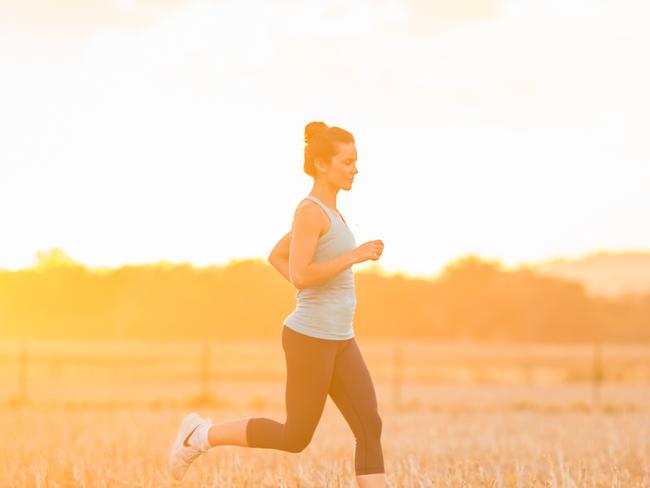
[134,131]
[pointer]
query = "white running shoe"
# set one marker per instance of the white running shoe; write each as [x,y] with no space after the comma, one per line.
[182,453]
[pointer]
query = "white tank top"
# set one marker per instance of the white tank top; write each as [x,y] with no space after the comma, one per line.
[326,310]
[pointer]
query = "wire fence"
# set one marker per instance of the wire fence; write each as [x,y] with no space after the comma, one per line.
[405,372]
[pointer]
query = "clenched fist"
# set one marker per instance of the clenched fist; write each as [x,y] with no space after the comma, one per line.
[369,250]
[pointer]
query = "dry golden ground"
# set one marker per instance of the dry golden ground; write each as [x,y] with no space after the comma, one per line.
[449,447]
[104,414]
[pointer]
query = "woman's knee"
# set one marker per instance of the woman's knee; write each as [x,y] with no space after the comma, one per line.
[298,443]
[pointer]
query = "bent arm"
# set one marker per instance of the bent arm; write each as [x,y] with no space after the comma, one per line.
[279,256]
[303,272]
[321,271]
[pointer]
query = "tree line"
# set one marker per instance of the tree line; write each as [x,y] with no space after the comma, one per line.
[472,299]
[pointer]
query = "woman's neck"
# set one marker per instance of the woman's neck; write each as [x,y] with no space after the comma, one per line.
[325,194]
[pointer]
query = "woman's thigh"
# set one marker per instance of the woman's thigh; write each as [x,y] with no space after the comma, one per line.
[353,391]
[310,364]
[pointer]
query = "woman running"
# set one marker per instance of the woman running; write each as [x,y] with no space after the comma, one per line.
[321,353]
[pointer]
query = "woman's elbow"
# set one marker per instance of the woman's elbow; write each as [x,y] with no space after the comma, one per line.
[297,283]
[297,280]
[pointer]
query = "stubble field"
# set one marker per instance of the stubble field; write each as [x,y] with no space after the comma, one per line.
[96,418]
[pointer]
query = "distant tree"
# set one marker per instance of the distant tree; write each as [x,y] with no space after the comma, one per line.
[53,259]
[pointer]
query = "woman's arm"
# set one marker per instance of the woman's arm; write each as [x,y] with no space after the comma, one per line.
[279,257]
[303,272]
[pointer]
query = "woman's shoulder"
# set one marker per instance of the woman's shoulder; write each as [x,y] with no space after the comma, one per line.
[309,210]
[308,206]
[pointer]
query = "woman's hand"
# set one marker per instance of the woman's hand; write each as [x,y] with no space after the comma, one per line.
[369,250]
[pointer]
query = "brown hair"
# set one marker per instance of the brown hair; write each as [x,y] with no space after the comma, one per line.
[320,142]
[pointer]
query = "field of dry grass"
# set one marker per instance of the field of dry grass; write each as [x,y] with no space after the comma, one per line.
[112,447]
[104,415]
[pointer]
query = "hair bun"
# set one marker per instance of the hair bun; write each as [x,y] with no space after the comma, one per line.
[313,128]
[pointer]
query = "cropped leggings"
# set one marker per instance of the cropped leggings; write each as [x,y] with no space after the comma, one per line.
[315,368]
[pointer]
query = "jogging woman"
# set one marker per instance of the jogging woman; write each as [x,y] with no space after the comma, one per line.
[321,353]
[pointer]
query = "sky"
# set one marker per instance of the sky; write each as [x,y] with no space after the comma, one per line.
[136,131]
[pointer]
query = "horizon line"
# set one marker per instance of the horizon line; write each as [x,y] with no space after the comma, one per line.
[63,258]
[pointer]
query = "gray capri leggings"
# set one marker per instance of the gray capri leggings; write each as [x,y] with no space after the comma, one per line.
[315,368]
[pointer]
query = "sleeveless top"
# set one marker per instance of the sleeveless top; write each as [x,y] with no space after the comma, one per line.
[326,310]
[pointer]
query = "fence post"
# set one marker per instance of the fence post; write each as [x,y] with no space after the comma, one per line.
[397,376]
[22,374]
[597,373]
[205,372]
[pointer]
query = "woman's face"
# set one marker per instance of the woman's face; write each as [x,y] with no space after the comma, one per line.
[343,166]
